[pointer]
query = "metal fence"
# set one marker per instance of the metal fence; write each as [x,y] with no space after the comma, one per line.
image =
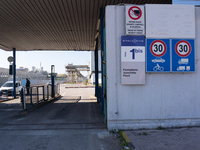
[37,94]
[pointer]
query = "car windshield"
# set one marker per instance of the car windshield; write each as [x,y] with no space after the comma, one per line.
[8,85]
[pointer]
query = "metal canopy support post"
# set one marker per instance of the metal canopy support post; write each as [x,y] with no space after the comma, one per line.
[14,72]
[96,71]
[102,54]
[104,80]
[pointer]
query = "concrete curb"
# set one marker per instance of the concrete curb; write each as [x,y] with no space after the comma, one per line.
[6,100]
[32,108]
[128,141]
[80,87]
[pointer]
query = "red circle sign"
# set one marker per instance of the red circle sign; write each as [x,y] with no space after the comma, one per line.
[158,48]
[134,12]
[183,48]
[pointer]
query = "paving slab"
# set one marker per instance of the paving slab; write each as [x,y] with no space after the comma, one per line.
[166,139]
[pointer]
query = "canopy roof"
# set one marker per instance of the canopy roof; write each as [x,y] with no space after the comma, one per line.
[53,24]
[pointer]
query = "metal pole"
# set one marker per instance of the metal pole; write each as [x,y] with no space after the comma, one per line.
[37,95]
[43,92]
[52,80]
[14,72]
[96,71]
[52,84]
[102,55]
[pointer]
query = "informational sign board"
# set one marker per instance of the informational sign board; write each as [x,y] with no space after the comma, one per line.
[134,20]
[170,21]
[158,55]
[183,55]
[132,60]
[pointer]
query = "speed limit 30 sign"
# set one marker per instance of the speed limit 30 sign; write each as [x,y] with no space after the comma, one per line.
[183,48]
[158,55]
[158,48]
[183,55]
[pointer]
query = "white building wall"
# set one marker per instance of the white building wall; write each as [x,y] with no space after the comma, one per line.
[92,66]
[167,100]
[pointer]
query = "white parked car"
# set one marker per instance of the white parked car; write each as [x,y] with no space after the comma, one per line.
[8,86]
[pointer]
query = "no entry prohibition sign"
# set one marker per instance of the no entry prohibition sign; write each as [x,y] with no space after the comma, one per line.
[158,48]
[134,12]
[183,48]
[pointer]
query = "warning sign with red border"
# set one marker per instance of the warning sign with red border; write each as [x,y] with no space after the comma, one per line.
[135,20]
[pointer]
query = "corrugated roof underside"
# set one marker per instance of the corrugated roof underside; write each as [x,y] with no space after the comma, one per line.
[53,24]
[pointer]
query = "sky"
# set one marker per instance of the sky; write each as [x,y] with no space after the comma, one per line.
[191,2]
[47,58]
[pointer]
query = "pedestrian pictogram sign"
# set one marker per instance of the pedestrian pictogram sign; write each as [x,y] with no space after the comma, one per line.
[134,20]
[183,55]
[158,55]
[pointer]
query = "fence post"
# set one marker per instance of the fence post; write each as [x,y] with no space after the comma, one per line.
[24,98]
[43,93]
[37,96]
[31,95]
[6,93]
[47,92]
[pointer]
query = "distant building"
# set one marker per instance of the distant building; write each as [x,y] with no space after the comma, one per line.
[23,69]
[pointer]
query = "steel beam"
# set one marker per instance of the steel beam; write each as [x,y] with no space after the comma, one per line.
[96,71]
[102,55]
[14,72]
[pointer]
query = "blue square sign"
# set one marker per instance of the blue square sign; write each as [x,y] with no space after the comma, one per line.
[183,55]
[158,55]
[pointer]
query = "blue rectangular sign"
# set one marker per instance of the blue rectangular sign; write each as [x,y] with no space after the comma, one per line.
[183,55]
[158,55]
[133,41]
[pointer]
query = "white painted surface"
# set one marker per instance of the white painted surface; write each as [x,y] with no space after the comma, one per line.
[92,66]
[170,21]
[166,99]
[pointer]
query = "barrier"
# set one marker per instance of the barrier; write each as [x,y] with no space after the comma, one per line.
[31,96]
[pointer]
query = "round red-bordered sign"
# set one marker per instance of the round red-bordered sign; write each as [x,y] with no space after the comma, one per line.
[183,48]
[158,48]
[134,13]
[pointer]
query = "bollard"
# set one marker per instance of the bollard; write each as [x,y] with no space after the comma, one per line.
[22,98]
[6,93]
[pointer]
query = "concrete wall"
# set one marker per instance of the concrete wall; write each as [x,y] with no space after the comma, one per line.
[167,100]
[92,66]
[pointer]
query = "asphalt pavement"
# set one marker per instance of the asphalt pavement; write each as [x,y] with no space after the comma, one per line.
[73,122]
